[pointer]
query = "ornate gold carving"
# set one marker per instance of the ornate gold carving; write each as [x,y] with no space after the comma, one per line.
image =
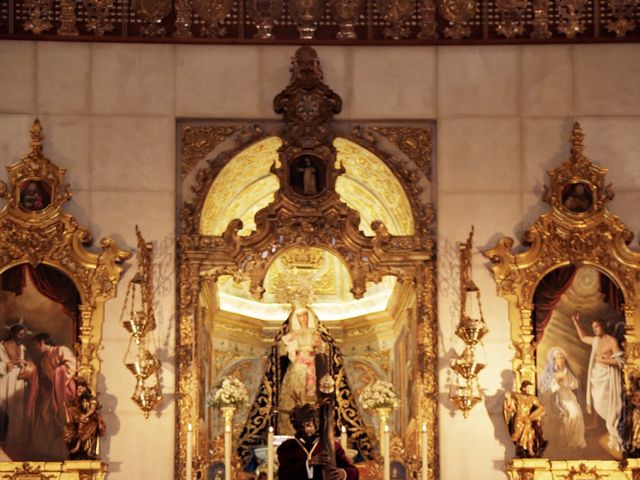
[297,220]
[396,13]
[197,142]
[98,12]
[305,14]
[39,12]
[71,470]
[540,19]
[68,18]
[28,472]
[265,14]
[579,230]
[622,13]
[428,23]
[213,12]
[570,13]
[345,13]
[152,12]
[414,142]
[43,232]
[511,17]
[183,18]
[582,472]
[458,13]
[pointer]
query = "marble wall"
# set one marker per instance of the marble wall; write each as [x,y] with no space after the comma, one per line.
[504,115]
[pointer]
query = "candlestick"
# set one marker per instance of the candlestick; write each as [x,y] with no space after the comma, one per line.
[270,454]
[189,459]
[425,453]
[227,452]
[343,438]
[386,450]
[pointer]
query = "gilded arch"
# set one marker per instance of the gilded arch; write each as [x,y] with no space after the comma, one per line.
[314,218]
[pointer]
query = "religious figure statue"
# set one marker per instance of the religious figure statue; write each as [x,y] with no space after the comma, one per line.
[290,372]
[557,384]
[632,430]
[300,345]
[523,414]
[300,458]
[604,377]
[84,423]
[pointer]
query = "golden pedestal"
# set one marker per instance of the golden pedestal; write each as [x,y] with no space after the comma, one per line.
[542,469]
[69,470]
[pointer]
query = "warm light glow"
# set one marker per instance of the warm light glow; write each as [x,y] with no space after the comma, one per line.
[371,188]
[243,186]
[343,429]
[270,429]
[190,427]
[424,427]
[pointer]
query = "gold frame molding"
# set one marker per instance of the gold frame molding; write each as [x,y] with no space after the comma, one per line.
[291,220]
[53,237]
[588,234]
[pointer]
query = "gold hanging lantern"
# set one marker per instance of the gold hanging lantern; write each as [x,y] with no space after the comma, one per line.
[465,388]
[138,319]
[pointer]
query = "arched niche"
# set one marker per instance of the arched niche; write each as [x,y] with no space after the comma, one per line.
[578,236]
[236,256]
[51,283]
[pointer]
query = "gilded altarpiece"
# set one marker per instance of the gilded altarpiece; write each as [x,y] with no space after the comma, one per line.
[573,289]
[306,212]
[51,284]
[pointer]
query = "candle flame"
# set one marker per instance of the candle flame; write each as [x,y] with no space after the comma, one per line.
[189,427]
[386,428]
[270,429]
[424,427]
[343,429]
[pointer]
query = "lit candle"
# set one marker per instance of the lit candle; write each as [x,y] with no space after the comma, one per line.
[385,448]
[227,451]
[270,454]
[189,460]
[425,453]
[343,438]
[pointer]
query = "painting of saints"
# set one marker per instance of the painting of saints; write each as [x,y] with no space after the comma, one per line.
[557,386]
[36,369]
[579,325]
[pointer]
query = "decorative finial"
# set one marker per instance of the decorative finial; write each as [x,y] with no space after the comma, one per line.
[577,147]
[305,64]
[37,138]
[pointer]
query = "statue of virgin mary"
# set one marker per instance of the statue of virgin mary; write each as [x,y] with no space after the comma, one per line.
[290,377]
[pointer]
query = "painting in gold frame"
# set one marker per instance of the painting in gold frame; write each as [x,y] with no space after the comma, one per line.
[577,238]
[43,246]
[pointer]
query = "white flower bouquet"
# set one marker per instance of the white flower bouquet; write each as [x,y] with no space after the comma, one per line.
[378,395]
[230,392]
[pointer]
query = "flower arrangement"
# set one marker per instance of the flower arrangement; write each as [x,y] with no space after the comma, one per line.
[230,392]
[378,395]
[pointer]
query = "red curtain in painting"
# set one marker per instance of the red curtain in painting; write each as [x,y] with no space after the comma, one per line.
[50,282]
[547,296]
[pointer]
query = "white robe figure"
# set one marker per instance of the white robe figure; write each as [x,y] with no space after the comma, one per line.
[604,393]
[565,422]
[14,397]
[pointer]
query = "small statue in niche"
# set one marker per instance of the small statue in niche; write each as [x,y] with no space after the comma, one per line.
[306,175]
[84,423]
[523,414]
[632,433]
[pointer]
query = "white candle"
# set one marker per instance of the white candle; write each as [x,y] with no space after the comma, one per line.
[343,438]
[227,452]
[387,460]
[189,459]
[270,454]
[425,453]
